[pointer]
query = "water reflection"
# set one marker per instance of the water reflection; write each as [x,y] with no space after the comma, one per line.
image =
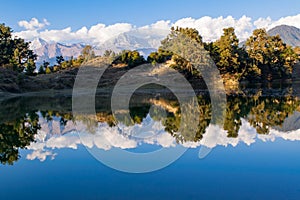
[43,124]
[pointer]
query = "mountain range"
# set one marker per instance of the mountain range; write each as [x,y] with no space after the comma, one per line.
[143,41]
[49,51]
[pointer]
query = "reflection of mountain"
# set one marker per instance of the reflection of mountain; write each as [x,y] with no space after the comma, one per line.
[247,119]
[291,123]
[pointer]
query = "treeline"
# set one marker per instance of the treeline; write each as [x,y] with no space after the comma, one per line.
[261,57]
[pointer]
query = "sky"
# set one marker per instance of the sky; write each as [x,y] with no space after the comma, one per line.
[76,14]
[63,21]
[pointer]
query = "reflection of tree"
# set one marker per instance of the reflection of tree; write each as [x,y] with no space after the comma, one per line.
[271,111]
[64,116]
[235,109]
[15,135]
[172,123]
[138,113]
[261,111]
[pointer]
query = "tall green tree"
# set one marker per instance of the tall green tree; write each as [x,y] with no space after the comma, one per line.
[270,56]
[179,62]
[6,45]
[15,52]
[228,49]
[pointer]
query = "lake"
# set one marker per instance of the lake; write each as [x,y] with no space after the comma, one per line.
[251,152]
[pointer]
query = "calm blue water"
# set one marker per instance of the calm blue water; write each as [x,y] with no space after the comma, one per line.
[260,171]
[255,154]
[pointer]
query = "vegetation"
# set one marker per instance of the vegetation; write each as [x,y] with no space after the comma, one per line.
[129,58]
[269,55]
[15,52]
[160,56]
[261,58]
[18,129]
[15,135]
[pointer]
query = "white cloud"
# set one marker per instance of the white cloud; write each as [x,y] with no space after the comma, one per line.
[268,23]
[263,22]
[159,25]
[33,24]
[289,20]
[210,29]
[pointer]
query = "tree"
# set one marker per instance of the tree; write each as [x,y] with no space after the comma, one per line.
[297,51]
[42,70]
[6,45]
[290,58]
[30,67]
[270,56]
[59,59]
[228,49]
[159,57]
[109,53]
[15,52]
[190,32]
[213,51]
[48,70]
[130,58]
[45,68]
[179,62]
[67,63]
[87,52]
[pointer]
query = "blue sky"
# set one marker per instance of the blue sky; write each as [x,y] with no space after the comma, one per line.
[76,14]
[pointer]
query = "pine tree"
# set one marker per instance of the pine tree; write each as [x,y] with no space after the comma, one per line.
[228,49]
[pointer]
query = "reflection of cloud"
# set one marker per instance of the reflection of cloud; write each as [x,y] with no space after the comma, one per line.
[39,152]
[215,136]
[56,142]
[291,135]
[124,137]
[104,138]
[40,155]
